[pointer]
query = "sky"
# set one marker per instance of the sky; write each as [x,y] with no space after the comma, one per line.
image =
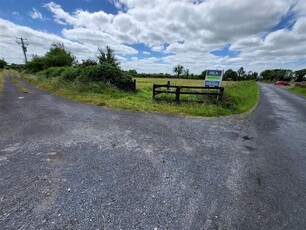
[152,36]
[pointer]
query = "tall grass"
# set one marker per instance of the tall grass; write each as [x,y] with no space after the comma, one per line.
[2,78]
[239,96]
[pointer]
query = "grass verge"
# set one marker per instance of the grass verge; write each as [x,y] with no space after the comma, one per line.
[239,96]
[299,90]
[2,78]
[14,76]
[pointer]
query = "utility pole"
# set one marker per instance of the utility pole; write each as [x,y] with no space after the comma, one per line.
[24,46]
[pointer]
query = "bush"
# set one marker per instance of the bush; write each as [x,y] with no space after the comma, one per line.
[103,72]
[17,67]
[54,72]
[70,73]
[125,82]
[107,73]
[57,56]
[2,63]
[35,65]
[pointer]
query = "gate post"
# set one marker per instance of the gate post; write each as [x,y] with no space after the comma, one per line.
[177,94]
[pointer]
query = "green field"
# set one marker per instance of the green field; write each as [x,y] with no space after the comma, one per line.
[299,90]
[239,96]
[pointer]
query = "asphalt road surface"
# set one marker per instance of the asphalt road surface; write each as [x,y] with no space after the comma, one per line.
[68,165]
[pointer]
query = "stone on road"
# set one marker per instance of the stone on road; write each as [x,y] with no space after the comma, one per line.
[68,165]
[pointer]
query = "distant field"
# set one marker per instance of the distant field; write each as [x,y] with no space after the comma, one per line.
[148,82]
[239,96]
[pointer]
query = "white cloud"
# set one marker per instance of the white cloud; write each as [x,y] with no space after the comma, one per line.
[187,31]
[39,43]
[35,14]
[278,47]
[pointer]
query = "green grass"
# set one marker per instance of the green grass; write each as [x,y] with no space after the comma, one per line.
[15,76]
[299,90]
[239,96]
[19,85]
[2,78]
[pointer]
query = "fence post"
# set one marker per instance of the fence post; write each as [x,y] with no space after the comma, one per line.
[134,85]
[168,84]
[220,96]
[177,94]
[154,91]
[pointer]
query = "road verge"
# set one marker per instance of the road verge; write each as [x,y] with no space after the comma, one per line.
[239,97]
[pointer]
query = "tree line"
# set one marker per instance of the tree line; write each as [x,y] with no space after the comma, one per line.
[57,56]
[270,75]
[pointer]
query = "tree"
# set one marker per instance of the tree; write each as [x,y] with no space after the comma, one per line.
[132,72]
[288,76]
[230,75]
[186,73]
[107,57]
[241,73]
[202,75]
[266,75]
[57,56]
[36,64]
[254,76]
[178,70]
[299,75]
[2,63]
[277,74]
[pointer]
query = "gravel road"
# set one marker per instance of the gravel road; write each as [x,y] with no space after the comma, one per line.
[68,165]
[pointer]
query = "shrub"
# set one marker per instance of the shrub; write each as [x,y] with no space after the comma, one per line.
[125,82]
[2,63]
[88,62]
[70,73]
[54,72]
[103,72]
[106,73]
[57,56]
[35,65]
[18,67]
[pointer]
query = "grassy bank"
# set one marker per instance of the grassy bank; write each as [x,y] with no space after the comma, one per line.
[2,78]
[239,96]
[299,90]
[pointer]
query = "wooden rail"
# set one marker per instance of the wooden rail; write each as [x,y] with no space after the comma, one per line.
[178,92]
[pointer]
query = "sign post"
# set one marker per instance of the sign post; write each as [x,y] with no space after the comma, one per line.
[213,78]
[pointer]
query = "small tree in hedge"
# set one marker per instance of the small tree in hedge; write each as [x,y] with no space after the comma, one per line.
[230,75]
[300,74]
[57,56]
[36,64]
[108,57]
[241,73]
[186,73]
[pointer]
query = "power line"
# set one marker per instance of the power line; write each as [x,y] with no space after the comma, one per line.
[24,45]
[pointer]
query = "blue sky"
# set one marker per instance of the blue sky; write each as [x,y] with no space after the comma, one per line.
[155,35]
